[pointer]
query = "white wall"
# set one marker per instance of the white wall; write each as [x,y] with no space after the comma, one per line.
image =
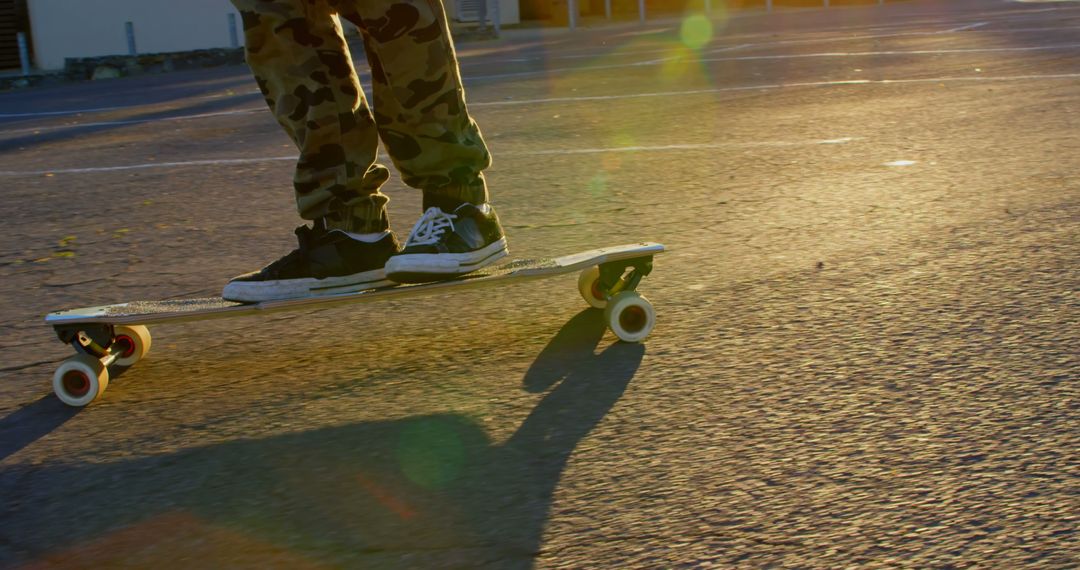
[90,28]
[509,12]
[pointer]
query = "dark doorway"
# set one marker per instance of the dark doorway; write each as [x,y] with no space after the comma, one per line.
[12,21]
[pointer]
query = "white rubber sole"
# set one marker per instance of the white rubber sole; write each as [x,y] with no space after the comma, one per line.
[256,291]
[426,266]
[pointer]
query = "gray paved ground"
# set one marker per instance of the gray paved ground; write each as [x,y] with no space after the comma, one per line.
[868,337]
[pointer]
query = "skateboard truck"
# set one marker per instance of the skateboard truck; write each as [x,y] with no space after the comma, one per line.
[82,378]
[611,286]
[94,340]
[614,276]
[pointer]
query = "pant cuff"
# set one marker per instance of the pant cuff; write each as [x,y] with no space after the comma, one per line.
[455,194]
[363,215]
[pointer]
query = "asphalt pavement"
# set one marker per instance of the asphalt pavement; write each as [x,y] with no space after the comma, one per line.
[866,353]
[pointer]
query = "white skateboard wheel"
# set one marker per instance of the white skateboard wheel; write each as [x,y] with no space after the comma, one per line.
[80,380]
[588,285]
[630,316]
[131,343]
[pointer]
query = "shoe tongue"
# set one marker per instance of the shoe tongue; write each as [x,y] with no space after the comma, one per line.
[468,209]
[444,203]
[434,223]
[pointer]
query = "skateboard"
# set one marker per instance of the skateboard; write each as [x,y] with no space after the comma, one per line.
[117,335]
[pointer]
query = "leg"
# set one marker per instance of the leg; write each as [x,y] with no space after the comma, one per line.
[424,124]
[303,68]
[419,99]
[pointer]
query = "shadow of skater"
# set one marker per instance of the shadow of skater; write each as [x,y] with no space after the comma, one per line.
[430,491]
[528,466]
[571,350]
[30,423]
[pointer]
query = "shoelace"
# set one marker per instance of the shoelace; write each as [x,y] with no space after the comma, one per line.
[431,227]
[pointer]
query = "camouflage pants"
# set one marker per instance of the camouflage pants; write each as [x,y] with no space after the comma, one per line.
[303,68]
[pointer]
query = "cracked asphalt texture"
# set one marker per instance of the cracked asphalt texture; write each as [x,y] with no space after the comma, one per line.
[866,356]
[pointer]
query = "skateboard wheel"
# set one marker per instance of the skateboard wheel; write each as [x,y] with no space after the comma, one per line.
[630,316]
[80,380]
[588,284]
[131,343]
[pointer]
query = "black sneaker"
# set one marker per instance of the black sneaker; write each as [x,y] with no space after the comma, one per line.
[327,262]
[443,246]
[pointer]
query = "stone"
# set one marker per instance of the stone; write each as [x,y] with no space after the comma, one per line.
[105,72]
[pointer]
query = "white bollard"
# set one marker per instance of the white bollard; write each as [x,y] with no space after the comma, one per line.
[641,10]
[130,29]
[24,53]
[234,38]
[497,19]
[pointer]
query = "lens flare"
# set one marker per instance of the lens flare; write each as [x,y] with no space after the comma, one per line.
[623,140]
[696,31]
[431,454]
[598,185]
[678,66]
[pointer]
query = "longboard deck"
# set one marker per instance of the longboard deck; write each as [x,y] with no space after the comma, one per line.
[181,310]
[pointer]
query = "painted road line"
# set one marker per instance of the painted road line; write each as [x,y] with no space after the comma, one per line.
[469,79]
[586,98]
[1057,47]
[675,147]
[778,57]
[70,126]
[902,35]
[773,86]
[148,165]
[571,151]
[967,27]
[57,113]
[662,94]
[595,54]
